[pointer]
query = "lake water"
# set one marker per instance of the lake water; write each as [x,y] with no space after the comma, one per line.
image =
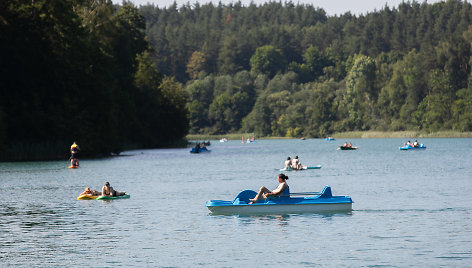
[412,208]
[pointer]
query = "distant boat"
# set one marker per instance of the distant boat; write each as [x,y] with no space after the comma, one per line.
[199,150]
[409,147]
[347,148]
[330,139]
[223,140]
[303,168]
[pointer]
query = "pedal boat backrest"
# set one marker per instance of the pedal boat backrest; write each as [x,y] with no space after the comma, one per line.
[284,195]
[326,193]
[243,197]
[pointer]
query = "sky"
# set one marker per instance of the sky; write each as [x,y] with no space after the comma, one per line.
[332,7]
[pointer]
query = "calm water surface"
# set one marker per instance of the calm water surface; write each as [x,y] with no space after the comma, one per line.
[412,208]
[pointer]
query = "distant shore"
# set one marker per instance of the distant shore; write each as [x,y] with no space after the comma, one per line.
[350,134]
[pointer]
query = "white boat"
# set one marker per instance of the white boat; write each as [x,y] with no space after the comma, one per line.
[303,168]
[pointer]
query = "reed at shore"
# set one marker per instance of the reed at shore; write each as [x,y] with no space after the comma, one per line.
[350,135]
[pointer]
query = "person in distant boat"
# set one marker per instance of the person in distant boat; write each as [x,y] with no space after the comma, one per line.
[264,192]
[416,144]
[345,144]
[349,145]
[408,143]
[107,190]
[89,192]
[296,163]
[288,163]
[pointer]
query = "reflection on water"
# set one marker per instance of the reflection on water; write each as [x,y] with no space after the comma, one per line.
[263,215]
[411,208]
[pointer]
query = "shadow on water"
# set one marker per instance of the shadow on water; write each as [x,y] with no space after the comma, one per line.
[324,214]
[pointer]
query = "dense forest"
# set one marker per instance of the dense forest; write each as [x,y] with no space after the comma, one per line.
[291,70]
[113,77]
[80,71]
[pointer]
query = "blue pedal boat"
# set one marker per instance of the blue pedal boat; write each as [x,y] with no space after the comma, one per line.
[409,147]
[284,204]
[200,150]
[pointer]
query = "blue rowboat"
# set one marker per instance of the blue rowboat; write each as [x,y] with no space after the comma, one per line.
[330,139]
[409,147]
[200,150]
[284,204]
[303,168]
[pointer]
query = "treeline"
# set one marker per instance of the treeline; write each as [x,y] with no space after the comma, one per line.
[291,70]
[80,71]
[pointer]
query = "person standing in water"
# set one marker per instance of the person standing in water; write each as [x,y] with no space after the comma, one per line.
[74,151]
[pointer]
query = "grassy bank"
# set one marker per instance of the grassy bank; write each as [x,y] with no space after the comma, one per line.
[401,134]
[348,135]
[230,136]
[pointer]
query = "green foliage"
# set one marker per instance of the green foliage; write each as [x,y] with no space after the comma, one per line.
[267,60]
[111,76]
[462,110]
[218,104]
[434,111]
[196,65]
[285,69]
[360,95]
[315,62]
[78,70]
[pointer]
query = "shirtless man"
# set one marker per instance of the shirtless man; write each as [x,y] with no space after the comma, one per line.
[107,190]
[296,163]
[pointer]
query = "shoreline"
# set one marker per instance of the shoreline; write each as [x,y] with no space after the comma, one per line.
[348,135]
